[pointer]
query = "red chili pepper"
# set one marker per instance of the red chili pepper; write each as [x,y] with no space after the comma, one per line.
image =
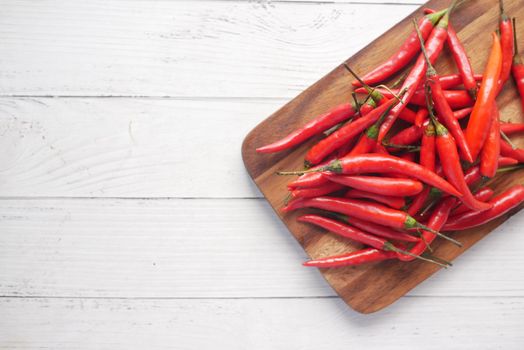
[462,113]
[312,128]
[373,212]
[343,135]
[403,56]
[378,230]
[518,65]
[358,257]
[490,153]
[506,44]
[419,201]
[328,188]
[501,204]
[462,62]
[382,163]
[511,128]
[433,46]
[427,147]
[483,195]
[508,151]
[407,115]
[408,136]
[479,121]
[443,140]
[452,81]
[381,185]
[437,220]
[422,115]
[390,201]
[448,155]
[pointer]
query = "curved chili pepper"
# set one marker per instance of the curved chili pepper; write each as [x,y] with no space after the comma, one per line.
[483,195]
[373,212]
[506,45]
[491,150]
[343,135]
[446,115]
[517,68]
[328,188]
[462,61]
[358,257]
[501,204]
[433,47]
[479,121]
[384,163]
[403,56]
[378,230]
[508,151]
[462,113]
[511,128]
[438,218]
[390,201]
[312,128]
[448,155]
[408,136]
[419,201]
[381,185]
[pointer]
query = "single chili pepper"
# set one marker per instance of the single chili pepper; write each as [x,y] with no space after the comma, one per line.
[483,195]
[328,188]
[443,140]
[373,212]
[356,235]
[381,185]
[403,56]
[517,68]
[427,147]
[490,152]
[437,220]
[419,201]
[506,45]
[451,81]
[479,121]
[501,204]
[407,115]
[378,230]
[508,151]
[383,163]
[408,136]
[455,98]
[462,61]
[422,115]
[448,155]
[359,257]
[511,128]
[462,113]
[336,140]
[433,46]
[390,201]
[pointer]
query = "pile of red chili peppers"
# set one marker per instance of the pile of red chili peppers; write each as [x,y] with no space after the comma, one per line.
[405,164]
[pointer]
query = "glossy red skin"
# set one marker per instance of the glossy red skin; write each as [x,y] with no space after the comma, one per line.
[506,44]
[507,151]
[390,201]
[344,230]
[502,203]
[327,188]
[408,115]
[462,113]
[511,128]
[381,185]
[462,61]
[422,115]
[401,58]
[408,136]
[345,134]
[428,147]
[518,76]
[452,81]
[490,152]
[419,201]
[449,158]
[365,210]
[380,230]
[382,163]
[483,195]
[434,45]
[314,127]
[438,218]
[364,145]
[358,257]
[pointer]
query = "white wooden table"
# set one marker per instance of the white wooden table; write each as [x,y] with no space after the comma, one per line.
[127,218]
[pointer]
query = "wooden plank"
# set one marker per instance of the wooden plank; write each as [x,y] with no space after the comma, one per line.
[126,147]
[180,48]
[197,248]
[368,289]
[496,323]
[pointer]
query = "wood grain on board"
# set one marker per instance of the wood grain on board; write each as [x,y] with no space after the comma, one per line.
[372,287]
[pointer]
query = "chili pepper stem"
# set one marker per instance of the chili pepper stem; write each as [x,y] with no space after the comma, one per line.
[436,258]
[334,166]
[390,247]
[425,228]
[507,139]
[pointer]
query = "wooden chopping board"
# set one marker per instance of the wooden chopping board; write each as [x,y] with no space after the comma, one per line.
[372,287]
